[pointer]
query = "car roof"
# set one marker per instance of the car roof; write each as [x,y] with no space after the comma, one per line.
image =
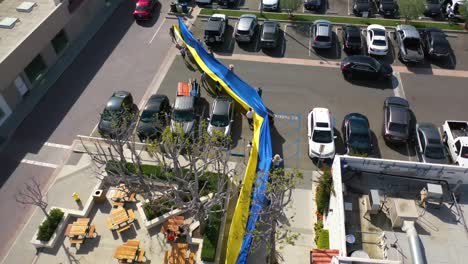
[116,100]
[221,106]
[393,100]
[409,31]
[362,59]
[142,2]
[398,115]
[352,30]
[375,26]
[321,115]
[154,102]
[245,21]
[184,103]
[270,26]
[430,132]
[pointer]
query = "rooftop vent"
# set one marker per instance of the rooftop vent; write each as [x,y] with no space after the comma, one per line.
[8,22]
[25,7]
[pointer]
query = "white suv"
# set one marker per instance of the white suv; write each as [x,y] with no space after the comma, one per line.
[320,126]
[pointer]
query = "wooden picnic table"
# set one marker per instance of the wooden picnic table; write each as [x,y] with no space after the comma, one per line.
[119,216]
[120,194]
[126,252]
[177,254]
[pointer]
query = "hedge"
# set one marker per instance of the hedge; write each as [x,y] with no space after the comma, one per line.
[210,237]
[323,241]
[157,208]
[334,19]
[324,188]
[47,228]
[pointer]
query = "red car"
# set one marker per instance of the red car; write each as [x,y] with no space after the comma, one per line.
[144,9]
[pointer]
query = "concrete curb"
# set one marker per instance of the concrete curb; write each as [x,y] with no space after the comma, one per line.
[53,74]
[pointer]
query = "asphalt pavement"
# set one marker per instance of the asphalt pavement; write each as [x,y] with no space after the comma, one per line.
[123,55]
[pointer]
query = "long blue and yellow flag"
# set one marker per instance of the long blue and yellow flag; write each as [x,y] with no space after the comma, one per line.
[249,202]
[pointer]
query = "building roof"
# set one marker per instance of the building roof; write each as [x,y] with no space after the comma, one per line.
[11,37]
[323,256]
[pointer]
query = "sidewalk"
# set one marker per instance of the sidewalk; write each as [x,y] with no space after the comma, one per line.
[53,74]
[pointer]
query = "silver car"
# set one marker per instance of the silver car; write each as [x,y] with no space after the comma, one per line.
[221,116]
[322,34]
[429,144]
[397,120]
[246,27]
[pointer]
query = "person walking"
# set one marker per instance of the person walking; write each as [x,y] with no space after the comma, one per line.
[249,116]
[183,52]
[172,34]
[218,88]
[259,91]
[249,148]
[231,67]
[276,161]
[203,78]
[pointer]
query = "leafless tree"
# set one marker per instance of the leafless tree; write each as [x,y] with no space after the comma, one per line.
[32,194]
[272,230]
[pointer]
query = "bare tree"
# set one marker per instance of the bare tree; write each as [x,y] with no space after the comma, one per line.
[32,194]
[272,230]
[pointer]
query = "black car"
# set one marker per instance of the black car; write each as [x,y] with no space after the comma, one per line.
[365,67]
[398,121]
[312,4]
[433,8]
[357,134]
[154,117]
[430,148]
[388,8]
[117,116]
[270,34]
[435,43]
[352,40]
[361,6]
[228,3]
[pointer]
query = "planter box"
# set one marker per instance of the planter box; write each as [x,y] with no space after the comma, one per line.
[163,218]
[58,231]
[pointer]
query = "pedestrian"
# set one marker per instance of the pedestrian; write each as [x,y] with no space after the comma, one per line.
[259,91]
[231,67]
[172,33]
[183,52]
[218,88]
[249,147]
[249,116]
[210,50]
[276,161]
[203,78]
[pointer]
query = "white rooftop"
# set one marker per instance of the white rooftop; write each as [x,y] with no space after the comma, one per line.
[23,18]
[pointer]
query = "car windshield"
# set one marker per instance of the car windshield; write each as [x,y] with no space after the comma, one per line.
[149,116]
[322,38]
[321,136]
[354,39]
[219,120]
[434,152]
[211,33]
[268,35]
[464,152]
[379,32]
[242,32]
[379,42]
[182,116]
[109,115]
[400,128]
[141,7]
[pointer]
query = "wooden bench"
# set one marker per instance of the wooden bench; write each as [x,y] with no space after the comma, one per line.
[131,214]
[67,231]
[76,241]
[133,243]
[91,232]
[191,259]
[120,230]
[141,256]
[109,224]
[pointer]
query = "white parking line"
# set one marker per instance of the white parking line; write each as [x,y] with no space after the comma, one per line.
[348,9]
[38,163]
[310,39]
[398,85]
[157,31]
[283,43]
[408,152]
[54,145]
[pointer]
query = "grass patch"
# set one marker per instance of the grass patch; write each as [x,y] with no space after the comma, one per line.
[47,228]
[321,236]
[210,238]
[333,19]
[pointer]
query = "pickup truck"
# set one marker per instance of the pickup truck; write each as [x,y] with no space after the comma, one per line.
[409,44]
[215,30]
[456,139]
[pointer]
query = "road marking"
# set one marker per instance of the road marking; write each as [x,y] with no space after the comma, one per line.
[54,145]
[38,163]
[348,9]
[398,85]
[283,43]
[310,39]
[157,31]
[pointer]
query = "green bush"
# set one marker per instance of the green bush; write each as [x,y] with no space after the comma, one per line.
[324,187]
[47,228]
[323,241]
[158,208]
[210,238]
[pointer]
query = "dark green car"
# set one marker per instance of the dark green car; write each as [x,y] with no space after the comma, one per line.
[270,34]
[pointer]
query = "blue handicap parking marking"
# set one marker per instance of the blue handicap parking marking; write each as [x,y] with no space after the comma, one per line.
[288,126]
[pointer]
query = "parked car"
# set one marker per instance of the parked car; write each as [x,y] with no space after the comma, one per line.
[429,144]
[377,43]
[117,115]
[409,44]
[144,9]
[270,5]
[270,34]
[228,3]
[153,117]
[435,43]
[221,116]
[456,139]
[215,30]
[320,125]
[183,114]
[246,28]
[203,2]
[357,134]
[365,67]
[361,6]
[322,37]
[433,8]
[388,8]
[312,4]
[397,120]
[352,40]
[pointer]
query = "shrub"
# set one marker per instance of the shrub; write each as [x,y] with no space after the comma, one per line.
[324,187]
[210,238]
[323,239]
[157,208]
[48,227]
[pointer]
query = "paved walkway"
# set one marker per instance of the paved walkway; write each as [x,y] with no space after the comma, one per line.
[336,64]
